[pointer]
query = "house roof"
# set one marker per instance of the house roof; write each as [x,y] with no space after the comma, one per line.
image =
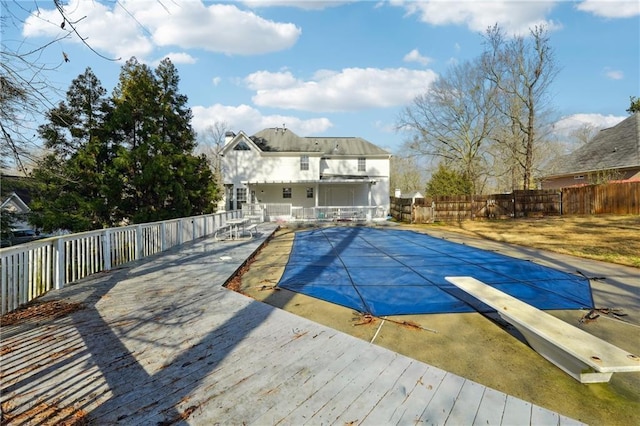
[280,139]
[617,147]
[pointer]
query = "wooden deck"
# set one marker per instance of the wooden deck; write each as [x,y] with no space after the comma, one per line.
[162,342]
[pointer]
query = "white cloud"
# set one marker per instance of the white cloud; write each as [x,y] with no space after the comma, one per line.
[515,17]
[299,4]
[614,74]
[415,56]
[97,24]
[141,26]
[219,28]
[251,120]
[216,80]
[566,125]
[611,8]
[348,90]
[178,58]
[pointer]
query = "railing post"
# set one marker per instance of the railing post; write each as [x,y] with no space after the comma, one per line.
[139,251]
[179,236]
[106,249]
[163,236]
[60,264]
[193,229]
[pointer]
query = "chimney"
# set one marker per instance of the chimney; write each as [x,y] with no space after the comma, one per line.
[228,136]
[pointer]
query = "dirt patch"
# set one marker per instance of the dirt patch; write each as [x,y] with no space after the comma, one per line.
[40,311]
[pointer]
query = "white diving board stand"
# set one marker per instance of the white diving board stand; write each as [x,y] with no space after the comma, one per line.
[584,356]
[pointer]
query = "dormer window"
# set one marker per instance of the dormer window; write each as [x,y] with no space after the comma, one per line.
[241,146]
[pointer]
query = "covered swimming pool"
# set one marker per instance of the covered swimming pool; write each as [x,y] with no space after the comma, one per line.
[384,272]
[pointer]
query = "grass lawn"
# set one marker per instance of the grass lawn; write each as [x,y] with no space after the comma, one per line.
[614,239]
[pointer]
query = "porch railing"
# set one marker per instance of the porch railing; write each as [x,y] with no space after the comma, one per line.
[30,270]
[274,212]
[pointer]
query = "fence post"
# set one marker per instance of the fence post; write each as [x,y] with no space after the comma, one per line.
[106,249]
[60,264]
[179,236]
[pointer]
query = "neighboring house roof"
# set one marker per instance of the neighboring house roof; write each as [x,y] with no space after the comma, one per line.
[14,203]
[617,147]
[412,194]
[283,140]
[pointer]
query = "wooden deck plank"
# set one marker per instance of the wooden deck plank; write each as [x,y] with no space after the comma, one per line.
[541,416]
[443,401]
[327,403]
[394,406]
[161,341]
[491,408]
[423,393]
[516,411]
[467,404]
[375,394]
[291,398]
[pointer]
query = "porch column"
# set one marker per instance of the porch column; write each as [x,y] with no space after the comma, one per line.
[369,195]
[315,194]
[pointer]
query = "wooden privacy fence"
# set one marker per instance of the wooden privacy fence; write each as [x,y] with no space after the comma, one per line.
[612,198]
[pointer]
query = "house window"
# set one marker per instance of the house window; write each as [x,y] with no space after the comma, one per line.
[241,195]
[304,162]
[579,177]
[309,192]
[286,192]
[241,146]
[362,164]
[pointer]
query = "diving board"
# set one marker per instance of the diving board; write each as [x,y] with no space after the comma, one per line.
[583,356]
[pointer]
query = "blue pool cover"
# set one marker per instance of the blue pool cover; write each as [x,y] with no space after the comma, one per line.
[394,272]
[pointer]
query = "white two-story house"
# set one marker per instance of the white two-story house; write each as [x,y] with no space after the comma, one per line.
[304,178]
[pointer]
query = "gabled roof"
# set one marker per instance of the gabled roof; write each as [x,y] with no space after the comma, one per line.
[617,147]
[283,140]
[15,201]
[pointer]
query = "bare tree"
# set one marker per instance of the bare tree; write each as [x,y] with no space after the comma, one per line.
[210,143]
[406,174]
[25,90]
[454,120]
[522,69]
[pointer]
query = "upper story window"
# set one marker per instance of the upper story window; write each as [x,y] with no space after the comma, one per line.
[241,146]
[362,164]
[304,162]
[286,192]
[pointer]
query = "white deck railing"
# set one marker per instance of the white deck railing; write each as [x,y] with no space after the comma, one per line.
[30,270]
[274,212]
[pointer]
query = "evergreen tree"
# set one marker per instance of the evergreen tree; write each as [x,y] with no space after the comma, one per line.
[448,181]
[163,179]
[73,176]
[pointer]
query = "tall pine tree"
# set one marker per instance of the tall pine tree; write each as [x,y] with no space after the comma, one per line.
[74,183]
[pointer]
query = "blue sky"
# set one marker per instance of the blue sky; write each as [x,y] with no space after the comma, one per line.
[331,68]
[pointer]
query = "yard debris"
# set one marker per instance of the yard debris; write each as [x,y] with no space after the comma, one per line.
[593,314]
[591,278]
[40,311]
[362,319]
[589,317]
